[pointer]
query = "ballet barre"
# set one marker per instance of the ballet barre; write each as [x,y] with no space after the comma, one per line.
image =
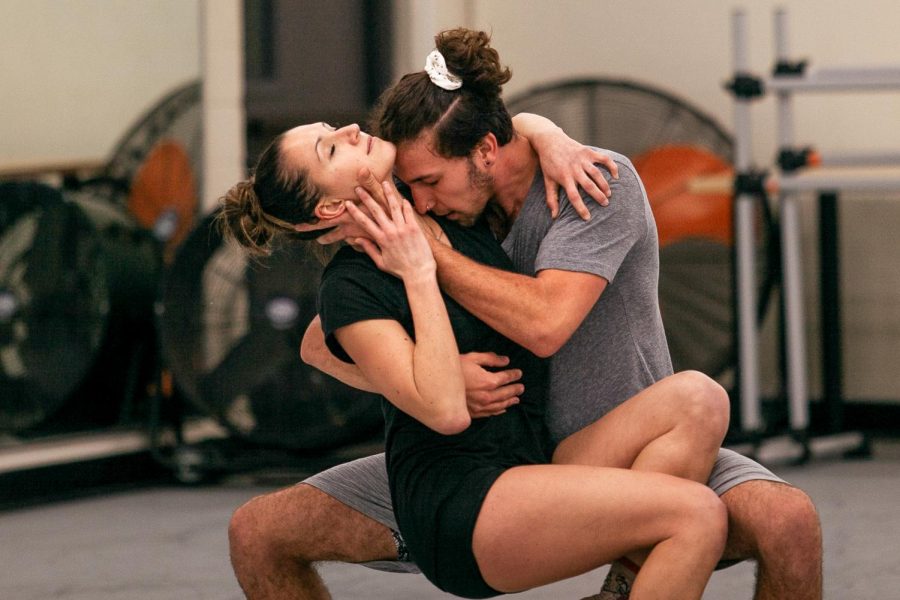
[798,170]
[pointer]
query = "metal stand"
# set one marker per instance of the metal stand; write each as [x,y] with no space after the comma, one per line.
[789,79]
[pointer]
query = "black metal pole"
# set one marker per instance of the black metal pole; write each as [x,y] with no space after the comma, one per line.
[832,349]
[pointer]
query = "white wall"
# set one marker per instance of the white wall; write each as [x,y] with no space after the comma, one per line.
[685,48]
[77,73]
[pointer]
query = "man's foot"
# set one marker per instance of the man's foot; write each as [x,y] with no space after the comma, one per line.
[617,585]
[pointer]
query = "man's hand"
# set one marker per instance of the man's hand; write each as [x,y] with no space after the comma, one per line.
[489,393]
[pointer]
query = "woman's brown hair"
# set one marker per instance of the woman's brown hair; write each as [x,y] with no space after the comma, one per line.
[267,204]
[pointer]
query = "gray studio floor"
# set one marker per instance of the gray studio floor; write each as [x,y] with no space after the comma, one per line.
[170,543]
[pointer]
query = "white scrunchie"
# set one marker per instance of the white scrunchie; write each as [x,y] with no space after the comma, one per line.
[440,75]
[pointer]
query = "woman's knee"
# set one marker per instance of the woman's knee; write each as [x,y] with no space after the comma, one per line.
[703,402]
[705,518]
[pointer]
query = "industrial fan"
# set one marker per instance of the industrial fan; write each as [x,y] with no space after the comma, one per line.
[230,330]
[155,168]
[670,144]
[75,275]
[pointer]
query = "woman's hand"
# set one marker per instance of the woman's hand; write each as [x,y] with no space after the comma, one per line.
[571,166]
[566,163]
[398,245]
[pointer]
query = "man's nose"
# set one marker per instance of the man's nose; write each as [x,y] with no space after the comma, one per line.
[422,201]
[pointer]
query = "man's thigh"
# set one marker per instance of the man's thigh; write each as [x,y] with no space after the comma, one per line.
[732,469]
[353,500]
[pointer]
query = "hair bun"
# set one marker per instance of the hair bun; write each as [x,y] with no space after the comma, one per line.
[240,217]
[469,55]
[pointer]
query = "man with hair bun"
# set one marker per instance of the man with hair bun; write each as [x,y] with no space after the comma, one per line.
[585,293]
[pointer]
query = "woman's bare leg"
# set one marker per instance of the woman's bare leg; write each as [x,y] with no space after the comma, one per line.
[675,426]
[543,523]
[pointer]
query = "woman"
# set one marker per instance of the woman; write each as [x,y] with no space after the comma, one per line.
[480,507]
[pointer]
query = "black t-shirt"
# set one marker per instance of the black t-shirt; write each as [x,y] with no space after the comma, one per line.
[425,467]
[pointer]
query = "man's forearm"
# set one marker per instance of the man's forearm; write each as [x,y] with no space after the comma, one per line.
[507,302]
[540,313]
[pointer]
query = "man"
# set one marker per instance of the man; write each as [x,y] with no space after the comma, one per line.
[585,294]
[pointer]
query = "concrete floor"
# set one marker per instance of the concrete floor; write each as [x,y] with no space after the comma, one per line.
[170,543]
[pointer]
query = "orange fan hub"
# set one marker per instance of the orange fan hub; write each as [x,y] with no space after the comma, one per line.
[680,213]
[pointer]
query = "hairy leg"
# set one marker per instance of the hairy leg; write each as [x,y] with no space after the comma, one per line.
[675,426]
[778,526]
[589,516]
[276,538]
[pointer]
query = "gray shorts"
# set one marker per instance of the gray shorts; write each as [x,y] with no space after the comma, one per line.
[362,485]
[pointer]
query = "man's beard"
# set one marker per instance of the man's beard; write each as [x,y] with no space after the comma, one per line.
[479,181]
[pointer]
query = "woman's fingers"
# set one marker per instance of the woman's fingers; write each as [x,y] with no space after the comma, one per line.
[393,202]
[364,221]
[409,214]
[367,180]
[373,207]
[371,249]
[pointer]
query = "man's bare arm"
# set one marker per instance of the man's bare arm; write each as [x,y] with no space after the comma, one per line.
[540,313]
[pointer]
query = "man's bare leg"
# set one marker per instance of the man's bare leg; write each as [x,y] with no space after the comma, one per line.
[276,538]
[777,526]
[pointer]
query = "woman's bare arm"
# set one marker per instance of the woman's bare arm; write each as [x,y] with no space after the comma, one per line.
[315,353]
[566,163]
[423,377]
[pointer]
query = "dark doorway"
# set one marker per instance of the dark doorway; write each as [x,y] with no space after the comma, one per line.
[308,60]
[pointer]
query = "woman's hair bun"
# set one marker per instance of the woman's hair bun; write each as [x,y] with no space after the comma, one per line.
[240,218]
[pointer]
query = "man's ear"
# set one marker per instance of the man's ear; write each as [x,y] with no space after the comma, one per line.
[486,150]
[330,208]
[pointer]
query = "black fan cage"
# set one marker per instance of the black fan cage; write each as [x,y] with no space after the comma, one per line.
[624,116]
[77,282]
[178,116]
[230,330]
[174,124]
[696,285]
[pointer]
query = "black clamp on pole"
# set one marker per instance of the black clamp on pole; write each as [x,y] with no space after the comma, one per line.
[751,183]
[745,86]
[784,68]
[791,159]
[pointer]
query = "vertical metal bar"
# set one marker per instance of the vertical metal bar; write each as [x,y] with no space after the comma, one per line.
[745,258]
[832,355]
[794,314]
[785,108]
[781,37]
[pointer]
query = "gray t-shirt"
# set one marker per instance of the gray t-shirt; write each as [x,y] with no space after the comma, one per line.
[620,347]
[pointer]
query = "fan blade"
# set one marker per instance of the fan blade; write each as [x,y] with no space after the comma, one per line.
[255,359]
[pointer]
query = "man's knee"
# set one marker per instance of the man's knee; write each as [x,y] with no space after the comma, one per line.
[795,523]
[768,518]
[249,529]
